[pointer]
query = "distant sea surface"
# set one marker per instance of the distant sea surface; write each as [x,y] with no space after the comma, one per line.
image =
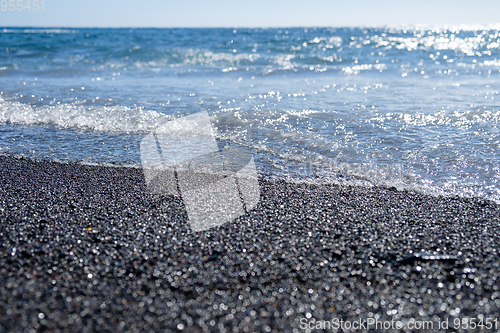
[416,108]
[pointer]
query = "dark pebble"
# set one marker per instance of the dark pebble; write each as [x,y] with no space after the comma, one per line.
[126,260]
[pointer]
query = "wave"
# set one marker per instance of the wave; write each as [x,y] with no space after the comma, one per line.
[38,31]
[77,116]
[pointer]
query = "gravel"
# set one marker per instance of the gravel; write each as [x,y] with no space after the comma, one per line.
[86,248]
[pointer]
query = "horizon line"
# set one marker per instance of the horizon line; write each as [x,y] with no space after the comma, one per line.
[393,26]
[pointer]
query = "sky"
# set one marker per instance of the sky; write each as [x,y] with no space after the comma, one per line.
[256,13]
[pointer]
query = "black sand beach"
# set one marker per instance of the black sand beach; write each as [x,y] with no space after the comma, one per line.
[86,248]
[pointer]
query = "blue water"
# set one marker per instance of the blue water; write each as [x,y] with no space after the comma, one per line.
[414,107]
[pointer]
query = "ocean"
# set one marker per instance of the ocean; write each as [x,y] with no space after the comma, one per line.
[413,108]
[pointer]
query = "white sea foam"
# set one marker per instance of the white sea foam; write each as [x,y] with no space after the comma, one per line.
[493,63]
[78,116]
[37,31]
[363,67]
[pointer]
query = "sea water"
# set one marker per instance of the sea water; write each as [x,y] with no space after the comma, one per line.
[414,107]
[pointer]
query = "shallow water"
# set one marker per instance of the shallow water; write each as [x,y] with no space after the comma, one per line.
[413,107]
